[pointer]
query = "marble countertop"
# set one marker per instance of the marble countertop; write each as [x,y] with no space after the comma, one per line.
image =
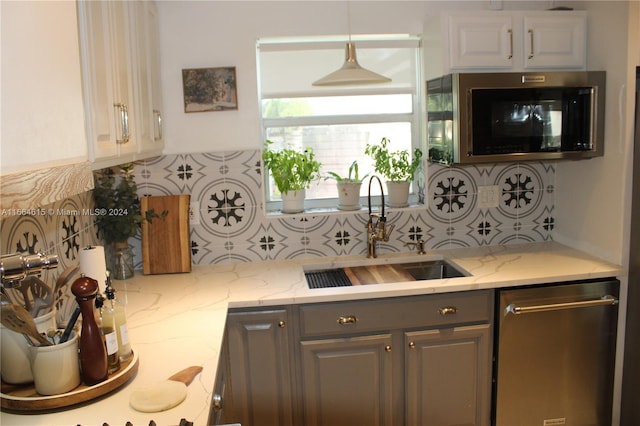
[176,321]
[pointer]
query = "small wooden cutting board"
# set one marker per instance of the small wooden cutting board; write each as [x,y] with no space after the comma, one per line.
[166,243]
[377,274]
[164,395]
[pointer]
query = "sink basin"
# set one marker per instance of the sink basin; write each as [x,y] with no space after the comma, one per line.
[382,274]
[434,270]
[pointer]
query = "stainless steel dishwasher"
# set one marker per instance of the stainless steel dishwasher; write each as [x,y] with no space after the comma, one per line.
[554,360]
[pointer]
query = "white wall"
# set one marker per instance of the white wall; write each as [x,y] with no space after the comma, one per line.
[223,33]
[591,195]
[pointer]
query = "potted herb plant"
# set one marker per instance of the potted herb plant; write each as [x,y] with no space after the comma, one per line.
[397,167]
[348,188]
[292,172]
[118,217]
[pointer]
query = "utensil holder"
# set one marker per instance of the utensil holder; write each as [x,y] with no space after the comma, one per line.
[55,368]
[14,350]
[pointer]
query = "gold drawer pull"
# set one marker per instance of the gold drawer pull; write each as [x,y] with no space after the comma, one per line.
[349,319]
[447,310]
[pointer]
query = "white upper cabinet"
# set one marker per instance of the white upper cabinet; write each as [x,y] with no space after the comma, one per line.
[116,46]
[43,148]
[42,105]
[555,40]
[480,41]
[148,99]
[514,41]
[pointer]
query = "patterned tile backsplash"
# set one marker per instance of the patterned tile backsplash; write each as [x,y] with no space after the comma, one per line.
[227,188]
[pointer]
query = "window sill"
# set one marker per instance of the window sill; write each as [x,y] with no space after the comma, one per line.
[315,211]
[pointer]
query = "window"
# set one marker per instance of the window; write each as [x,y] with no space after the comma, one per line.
[338,122]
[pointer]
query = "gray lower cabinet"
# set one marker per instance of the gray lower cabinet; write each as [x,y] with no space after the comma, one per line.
[448,376]
[258,386]
[347,381]
[414,361]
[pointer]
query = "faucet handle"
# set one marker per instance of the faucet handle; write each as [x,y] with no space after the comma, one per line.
[419,245]
[387,231]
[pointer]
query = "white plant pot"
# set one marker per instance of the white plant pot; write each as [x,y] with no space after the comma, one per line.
[398,194]
[349,195]
[293,201]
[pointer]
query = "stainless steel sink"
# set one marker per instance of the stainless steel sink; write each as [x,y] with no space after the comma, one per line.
[434,270]
[382,274]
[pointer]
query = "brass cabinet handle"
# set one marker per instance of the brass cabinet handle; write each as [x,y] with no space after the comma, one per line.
[349,319]
[282,324]
[412,345]
[157,128]
[217,402]
[448,310]
[387,348]
[124,123]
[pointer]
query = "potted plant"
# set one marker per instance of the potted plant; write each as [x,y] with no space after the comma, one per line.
[348,188]
[292,172]
[397,167]
[118,217]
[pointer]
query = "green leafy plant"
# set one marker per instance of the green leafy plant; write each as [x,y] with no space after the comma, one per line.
[395,166]
[353,175]
[291,170]
[117,206]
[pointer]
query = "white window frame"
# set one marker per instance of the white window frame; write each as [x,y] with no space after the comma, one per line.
[415,118]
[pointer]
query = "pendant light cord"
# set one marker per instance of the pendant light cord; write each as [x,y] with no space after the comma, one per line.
[349,19]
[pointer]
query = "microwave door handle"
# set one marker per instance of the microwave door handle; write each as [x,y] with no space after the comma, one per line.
[605,300]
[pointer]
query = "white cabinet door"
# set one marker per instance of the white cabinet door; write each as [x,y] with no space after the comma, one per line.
[516,41]
[144,28]
[555,40]
[43,153]
[119,44]
[106,94]
[481,41]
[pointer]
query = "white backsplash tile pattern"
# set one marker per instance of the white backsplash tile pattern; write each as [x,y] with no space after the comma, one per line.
[227,188]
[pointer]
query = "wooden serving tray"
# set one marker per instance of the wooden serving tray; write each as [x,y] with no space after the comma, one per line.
[25,398]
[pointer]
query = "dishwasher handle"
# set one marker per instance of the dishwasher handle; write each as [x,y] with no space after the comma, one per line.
[605,300]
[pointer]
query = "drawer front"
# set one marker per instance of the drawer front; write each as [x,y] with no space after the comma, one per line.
[396,313]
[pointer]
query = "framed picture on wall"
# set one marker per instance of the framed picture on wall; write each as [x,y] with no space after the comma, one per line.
[209,89]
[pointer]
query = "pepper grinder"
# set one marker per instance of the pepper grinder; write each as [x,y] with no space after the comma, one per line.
[93,354]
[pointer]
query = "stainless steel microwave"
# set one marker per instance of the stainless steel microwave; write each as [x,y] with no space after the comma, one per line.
[496,117]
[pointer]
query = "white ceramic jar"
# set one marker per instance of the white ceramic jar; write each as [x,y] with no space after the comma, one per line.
[14,351]
[55,368]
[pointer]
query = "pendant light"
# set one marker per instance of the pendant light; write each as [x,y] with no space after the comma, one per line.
[351,72]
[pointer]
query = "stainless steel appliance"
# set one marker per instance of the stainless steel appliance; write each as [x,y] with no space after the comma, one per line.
[491,117]
[554,361]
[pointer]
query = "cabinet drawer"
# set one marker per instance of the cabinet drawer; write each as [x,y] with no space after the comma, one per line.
[396,313]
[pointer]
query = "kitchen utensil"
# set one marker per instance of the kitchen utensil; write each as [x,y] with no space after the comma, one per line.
[72,321]
[42,296]
[16,318]
[24,289]
[164,395]
[64,300]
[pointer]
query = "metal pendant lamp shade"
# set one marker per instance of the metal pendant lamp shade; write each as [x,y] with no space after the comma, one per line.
[351,72]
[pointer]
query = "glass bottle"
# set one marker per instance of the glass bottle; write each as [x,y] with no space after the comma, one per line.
[120,318]
[106,322]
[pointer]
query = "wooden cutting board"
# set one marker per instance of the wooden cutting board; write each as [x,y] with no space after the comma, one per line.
[377,274]
[166,245]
